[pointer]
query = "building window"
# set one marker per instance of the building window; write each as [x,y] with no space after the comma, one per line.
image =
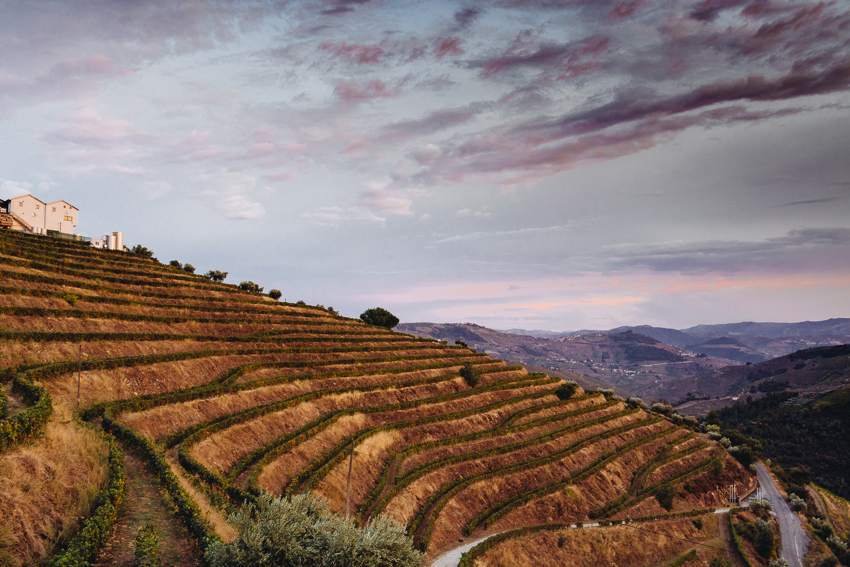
[54,209]
[69,218]
[20,203]
[38,206]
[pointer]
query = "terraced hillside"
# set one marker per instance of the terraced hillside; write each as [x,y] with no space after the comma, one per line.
[125,379]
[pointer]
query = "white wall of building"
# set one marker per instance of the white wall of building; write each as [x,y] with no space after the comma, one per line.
[61,216]
[29,209]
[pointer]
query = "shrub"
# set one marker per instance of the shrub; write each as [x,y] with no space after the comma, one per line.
[562,540]
[216,275]
[566,390]
[717,467]
[461,343]
[665,409]
[147,547]
[379,317]
[743,453]
[778,563]
[176,264]
[470,374]
[829,561]
[764,541]
[140,250]
[698,523]
[725,442]
[302,530]
[665,494]
[761,507]
[797,503]
[189,268]
[275,294]
[71,298]
[250,286]
[718,562]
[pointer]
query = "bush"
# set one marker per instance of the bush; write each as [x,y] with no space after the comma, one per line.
[216,275]
[302,530]
[470,374]
[275,294]
[147,547]
[797,504]
[743,453]
[566,390]
[140,250]
[379,317]
[176,264]
[189,268]
[778,563]
[761,507]
[697,523]
[71,299]
[250,286]
[764,541]
[717,467]
[829,561]
[665,494]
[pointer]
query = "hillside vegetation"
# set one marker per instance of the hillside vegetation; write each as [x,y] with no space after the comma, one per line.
[225,394]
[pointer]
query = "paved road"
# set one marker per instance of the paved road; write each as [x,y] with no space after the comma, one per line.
[794,539]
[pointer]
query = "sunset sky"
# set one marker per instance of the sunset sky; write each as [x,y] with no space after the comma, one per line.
[535,164]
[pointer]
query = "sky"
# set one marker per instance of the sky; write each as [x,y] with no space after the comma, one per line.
[536,164]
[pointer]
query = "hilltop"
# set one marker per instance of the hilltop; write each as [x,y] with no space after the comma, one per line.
[126,380]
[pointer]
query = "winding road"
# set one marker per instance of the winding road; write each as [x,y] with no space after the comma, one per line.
[795,542]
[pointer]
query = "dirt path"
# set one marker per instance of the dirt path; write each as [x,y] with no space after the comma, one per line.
[146,501]
[16,404]
[726,537]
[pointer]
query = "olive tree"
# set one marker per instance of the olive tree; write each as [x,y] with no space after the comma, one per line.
[275,294]
[302,531]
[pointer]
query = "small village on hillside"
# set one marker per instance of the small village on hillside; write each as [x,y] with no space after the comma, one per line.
[57,219]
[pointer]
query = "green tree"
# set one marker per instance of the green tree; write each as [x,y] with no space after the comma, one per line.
[250,286]
[189,268]
[176,264]
[216,275]
[302,531]
[275,294]
[665,494]
[379,317]
[470,374]
[140,250]
[566,390]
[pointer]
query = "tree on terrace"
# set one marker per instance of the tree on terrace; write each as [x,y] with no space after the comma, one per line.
[275,294]
[250,286]
[216,275]
[379,317]
[140,250]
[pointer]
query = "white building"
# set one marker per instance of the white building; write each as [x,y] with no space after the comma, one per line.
[60,216]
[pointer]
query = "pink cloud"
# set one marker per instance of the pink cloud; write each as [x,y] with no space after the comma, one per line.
[449,46]
[356,92]
[97,65]
[626,9]
[362,54]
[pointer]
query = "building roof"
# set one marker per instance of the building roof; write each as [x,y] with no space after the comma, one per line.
[62,201]
[33,196]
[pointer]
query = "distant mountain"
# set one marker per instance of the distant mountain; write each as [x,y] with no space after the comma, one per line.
[631,362]
[809,370]
[756,342]
[776,330]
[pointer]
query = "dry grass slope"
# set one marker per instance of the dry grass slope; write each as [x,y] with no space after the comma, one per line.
[224,393]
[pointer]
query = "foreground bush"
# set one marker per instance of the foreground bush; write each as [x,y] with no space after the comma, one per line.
[302,531]
[147,547]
